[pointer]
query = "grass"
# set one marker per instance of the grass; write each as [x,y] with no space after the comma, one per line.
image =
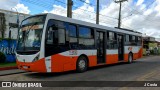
[7,64]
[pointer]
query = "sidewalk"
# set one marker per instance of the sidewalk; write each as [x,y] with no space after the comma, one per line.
[8,68]
[9,72]
[149,56]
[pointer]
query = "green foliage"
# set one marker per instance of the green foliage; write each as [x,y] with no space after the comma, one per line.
[7,64]
[153,45]
[144,51]
[2,57]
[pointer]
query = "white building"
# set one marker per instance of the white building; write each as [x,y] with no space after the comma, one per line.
[11,17]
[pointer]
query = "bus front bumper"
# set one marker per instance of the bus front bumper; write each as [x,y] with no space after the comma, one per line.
[37,66]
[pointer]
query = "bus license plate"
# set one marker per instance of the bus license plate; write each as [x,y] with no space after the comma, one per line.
[25,67]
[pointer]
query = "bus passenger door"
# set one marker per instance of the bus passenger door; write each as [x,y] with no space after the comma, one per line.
[100,47]
[120,47]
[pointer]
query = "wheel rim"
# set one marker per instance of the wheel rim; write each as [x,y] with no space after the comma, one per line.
[130,58]
[82,64]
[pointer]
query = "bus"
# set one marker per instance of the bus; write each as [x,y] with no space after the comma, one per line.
[53,43]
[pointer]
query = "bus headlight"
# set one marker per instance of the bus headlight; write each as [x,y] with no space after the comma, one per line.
[36,58]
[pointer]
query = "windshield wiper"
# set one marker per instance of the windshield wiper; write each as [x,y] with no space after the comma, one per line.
[31,27]
[28,30]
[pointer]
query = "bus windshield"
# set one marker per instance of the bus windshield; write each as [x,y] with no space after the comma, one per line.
[30,34]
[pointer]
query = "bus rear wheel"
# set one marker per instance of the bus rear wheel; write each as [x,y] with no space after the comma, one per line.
[82,64]
[130,58]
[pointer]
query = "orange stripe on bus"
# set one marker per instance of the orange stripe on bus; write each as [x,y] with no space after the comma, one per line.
[61,63]
[111,59]
[37,66]
[92,60]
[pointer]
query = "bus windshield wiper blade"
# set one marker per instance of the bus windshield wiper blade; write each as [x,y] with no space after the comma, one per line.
[28,32]
[31,27]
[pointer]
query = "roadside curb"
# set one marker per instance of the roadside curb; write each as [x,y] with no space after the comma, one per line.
[8,68]
[11,72]
[150,56]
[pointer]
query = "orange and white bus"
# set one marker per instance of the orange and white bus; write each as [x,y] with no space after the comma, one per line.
[52,43]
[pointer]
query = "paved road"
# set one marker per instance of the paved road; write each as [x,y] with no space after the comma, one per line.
[145,69]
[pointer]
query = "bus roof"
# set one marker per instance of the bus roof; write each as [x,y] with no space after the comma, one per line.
[84,23]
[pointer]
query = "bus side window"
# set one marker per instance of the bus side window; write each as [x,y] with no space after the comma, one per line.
[139,40]
[127,38]
[86,38]
[55,33]
[73,36]
[112,40]
[133,40]
[61,35]
[50,36]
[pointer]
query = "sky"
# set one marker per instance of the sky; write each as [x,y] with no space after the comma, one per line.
[138,15]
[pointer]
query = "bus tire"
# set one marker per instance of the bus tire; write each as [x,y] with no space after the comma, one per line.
[81,65]
[130,58]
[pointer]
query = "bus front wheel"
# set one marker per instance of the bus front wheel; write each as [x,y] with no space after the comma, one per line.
[82,64]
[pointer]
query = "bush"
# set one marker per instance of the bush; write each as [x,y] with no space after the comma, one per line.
[2,57]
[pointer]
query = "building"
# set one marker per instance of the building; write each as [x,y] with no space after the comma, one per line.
[150,43]
[8,22]
[9,29]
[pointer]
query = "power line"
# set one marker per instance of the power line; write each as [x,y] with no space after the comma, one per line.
[45,5]
[146,6]
[141,10]
[93,12]
[90,11]
[37,9]
[87,3]
[48,6]
[39,4]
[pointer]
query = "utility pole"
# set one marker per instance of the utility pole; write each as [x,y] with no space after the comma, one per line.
[119,19]
[69,8]
[97,14]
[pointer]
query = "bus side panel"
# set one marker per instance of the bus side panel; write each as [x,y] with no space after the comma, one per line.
[92,60]
[135,56]
[139,54]
[126,57]
[62,63]
[136,50]
[90,54]
[65,61]
[112,56]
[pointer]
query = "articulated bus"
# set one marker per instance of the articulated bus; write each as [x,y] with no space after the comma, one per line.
[53,43]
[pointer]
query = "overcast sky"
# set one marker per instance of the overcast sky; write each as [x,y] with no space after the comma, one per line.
[140,15]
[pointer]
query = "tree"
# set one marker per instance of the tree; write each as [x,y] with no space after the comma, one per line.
[2,24]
